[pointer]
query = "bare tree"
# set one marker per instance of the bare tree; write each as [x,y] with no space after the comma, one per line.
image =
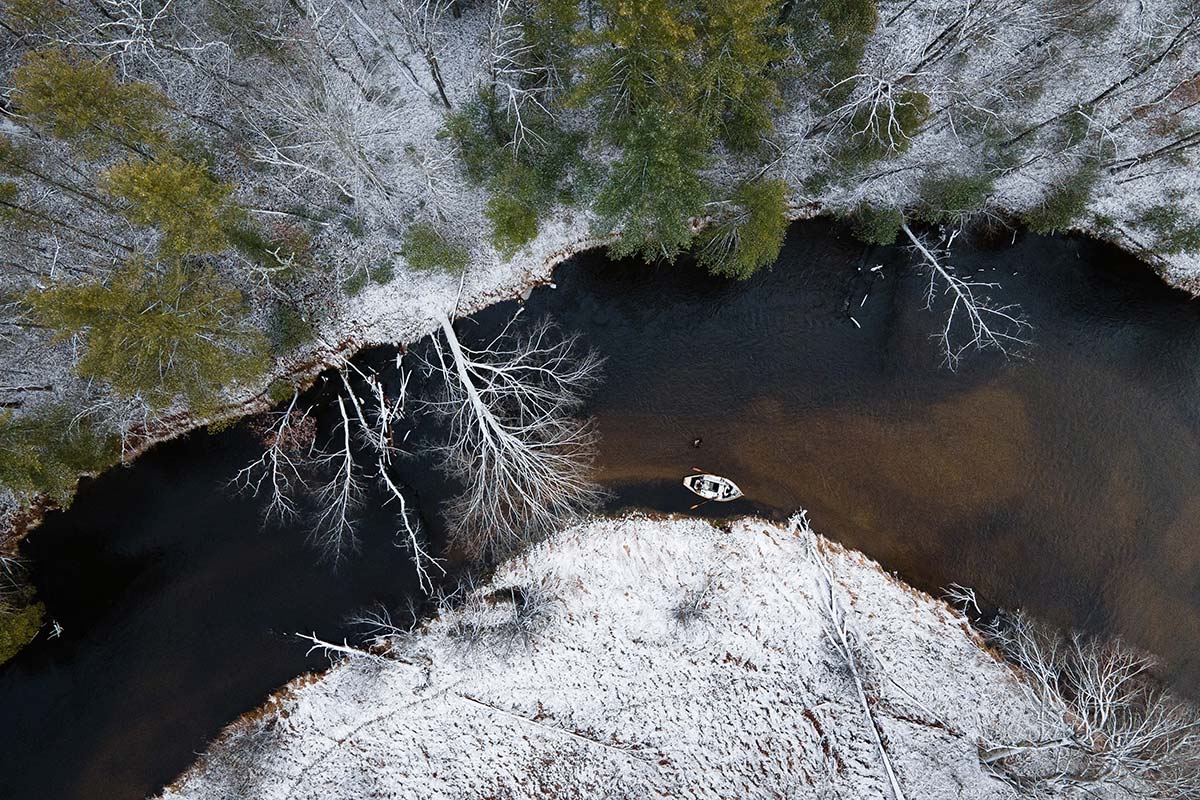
[876,107]
[988,326]
[376,422]
[421,22]
[363,449]
[1105,722]
[522,456]
[324,126]
[516,85]
[848,645]
[135,33]
[961,598]
[279,473]
[339,497]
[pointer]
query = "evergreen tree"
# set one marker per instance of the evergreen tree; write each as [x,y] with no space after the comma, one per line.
[44,451]
[876,223]
[159,331]
[642,60]
[427,248]
[549,29]
[751,236]
[82,101]
[190,208]
[673,76]
[737,85]
[655,187]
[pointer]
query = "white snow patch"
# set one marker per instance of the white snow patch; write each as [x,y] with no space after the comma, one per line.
[615,696]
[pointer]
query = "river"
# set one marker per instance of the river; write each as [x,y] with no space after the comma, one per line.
[1065,481]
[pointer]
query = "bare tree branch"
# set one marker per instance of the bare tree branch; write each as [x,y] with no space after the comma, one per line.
[1106,722]
[988,326]
[513,442]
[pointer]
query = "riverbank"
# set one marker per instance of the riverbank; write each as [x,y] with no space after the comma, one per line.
[663,657]
[1063,483]
[405,311]
[1101,101]
[1005,77]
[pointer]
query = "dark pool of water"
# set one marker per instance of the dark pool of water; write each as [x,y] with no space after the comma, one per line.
[1066,482]
[178,613]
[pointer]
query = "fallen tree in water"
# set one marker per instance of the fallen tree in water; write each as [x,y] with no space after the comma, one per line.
[1107,725]
[507,432]
[513,440]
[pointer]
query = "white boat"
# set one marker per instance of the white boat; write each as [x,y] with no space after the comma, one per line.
[713,487]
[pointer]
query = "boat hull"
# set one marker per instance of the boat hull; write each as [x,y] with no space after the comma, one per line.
[712,487]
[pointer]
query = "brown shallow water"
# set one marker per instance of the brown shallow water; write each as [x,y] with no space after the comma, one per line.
[1065,481]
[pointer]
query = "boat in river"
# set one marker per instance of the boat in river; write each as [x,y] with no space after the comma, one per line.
[713,487]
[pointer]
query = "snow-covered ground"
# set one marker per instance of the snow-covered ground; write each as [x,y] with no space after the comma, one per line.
[655,658]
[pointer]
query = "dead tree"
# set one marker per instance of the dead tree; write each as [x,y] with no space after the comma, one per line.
[847,645]
[513,440]
[279,473]
[340,496]
[876,108]
[1106,724]
[376,416]
[291,468]
[337,479]
[973,321]
[516,86]
[131,33]
[322,126]
[421,21]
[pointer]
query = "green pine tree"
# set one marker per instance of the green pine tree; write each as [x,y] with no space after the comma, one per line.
[82,101]
[44,451]
[190,208]
[750,237]
[655,187]
[642,60]
[159,331]
[736,82]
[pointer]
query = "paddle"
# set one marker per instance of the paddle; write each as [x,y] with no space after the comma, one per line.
[702,502]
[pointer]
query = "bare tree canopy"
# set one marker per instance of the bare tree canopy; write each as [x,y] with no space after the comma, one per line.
[973,321]
[1108,724]
[513,439]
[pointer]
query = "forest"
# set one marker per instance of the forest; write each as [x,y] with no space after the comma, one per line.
[200,201]
[212,210]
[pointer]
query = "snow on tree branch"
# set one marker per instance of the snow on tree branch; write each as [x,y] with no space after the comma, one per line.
[340,497]
[523,458]
[847,644]
[278,473]
[973,321]
[421,21]
[877,107]
[1106,722]
[516,85]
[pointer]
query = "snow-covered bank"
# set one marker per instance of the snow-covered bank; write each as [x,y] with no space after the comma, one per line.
[664,658]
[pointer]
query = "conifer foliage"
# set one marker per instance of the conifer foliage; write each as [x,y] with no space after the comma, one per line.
[160,331]
[82,101]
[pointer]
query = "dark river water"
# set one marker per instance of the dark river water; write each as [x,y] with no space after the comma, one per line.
[1066,482]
